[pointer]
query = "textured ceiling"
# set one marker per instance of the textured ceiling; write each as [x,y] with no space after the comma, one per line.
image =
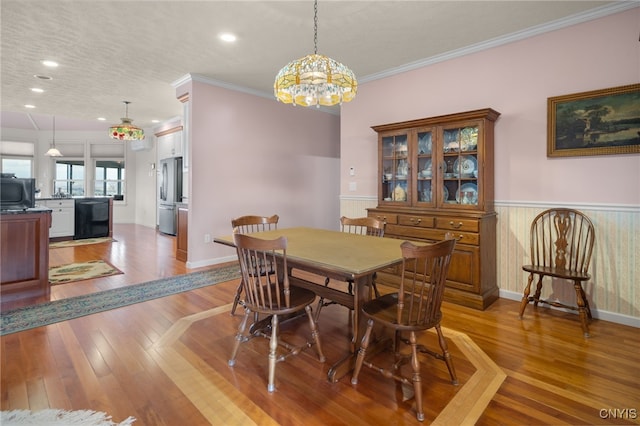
[110,51]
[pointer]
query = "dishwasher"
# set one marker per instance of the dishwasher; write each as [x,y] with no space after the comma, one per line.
[91,218]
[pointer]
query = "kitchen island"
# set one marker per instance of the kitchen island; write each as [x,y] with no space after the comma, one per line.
[24,253]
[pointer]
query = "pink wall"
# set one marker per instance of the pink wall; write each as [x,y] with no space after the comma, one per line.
[253,155]
[515,79]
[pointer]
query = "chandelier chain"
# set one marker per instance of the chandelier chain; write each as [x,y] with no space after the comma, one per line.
[315,27]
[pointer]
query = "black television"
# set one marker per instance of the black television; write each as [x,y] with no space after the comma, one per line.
[17,193]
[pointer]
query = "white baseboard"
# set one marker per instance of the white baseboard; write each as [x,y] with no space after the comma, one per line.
[602,315]
[211,262]
[505,294]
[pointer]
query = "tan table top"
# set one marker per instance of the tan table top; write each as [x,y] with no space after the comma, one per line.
[348,255]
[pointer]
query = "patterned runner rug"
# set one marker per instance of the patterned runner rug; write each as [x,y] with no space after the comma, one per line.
[65,309]
[74,243]
[59,418]
[73,272]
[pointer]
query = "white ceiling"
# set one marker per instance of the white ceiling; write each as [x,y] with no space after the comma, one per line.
[111,51]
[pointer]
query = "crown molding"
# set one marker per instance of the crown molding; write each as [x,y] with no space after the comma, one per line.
[600,12]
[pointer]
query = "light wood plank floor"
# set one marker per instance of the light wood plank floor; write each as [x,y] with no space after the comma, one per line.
[165,361]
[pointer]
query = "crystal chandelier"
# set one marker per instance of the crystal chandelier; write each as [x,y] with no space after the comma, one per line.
[126,131]
[53,151]
[315,79]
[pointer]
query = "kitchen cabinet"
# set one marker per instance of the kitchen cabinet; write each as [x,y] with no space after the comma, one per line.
[62,217]
[24,247]
[435,175]
[182,232]
[170,143]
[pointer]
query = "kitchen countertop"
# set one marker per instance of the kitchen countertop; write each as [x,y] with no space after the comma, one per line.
[72,198]
[26,211]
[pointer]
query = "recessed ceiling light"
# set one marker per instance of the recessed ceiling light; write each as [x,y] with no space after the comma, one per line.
[37,90]
[29,106]
[155,121]
[50,64]
[42,77]
[228,37]
[102,119]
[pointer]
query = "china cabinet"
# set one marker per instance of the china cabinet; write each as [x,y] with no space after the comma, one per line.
[435,175]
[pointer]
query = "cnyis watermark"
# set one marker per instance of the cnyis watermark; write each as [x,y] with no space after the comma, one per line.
[618,413]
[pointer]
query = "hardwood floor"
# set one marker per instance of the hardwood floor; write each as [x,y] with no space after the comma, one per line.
[165,361]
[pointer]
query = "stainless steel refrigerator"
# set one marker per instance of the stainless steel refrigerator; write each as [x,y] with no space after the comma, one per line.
[169,193]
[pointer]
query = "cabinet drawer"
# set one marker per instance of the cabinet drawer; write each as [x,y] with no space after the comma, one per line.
[457,224]
[430,234]
[387,218]
[420,221]
[60,203]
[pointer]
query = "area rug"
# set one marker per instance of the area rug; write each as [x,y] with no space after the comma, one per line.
[72,272]
[61,310]
[83,242]
[59,418]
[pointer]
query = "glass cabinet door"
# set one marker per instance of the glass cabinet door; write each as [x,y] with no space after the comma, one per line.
[460,166]
[395,166]
[426,173]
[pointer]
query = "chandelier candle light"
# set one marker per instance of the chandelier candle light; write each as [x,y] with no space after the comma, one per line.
[126,131]
[53,151]
[315,79]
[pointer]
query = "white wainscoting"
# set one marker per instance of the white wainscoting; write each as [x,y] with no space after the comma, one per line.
[613,291]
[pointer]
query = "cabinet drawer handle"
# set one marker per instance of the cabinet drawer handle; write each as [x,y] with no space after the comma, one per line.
[459,237]
[455,226]
[415,220]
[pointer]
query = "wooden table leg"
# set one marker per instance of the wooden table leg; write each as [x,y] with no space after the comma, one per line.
[345,365]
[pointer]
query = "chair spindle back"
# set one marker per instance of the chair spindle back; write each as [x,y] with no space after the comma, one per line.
[562,238]
[250,224]
[424,273]
[263,291]
[363,226]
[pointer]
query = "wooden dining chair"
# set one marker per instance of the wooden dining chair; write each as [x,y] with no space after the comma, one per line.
[361,226]
[413,309]
[271,295]
[561,243]
[248,225]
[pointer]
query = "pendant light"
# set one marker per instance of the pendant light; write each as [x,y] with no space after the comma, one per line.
[315,79]
[53,151]
[126,131]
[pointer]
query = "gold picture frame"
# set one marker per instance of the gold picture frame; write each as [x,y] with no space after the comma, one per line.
[598,122]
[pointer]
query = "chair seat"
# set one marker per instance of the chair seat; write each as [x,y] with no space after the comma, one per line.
[557,272]
[384,309]
[300,298]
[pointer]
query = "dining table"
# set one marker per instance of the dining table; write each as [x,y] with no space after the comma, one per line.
[339,256]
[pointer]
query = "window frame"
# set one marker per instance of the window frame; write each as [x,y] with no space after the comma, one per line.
[121,182]
[18,157]
[69,182]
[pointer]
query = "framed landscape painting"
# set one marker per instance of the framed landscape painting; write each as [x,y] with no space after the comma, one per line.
[598,122]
